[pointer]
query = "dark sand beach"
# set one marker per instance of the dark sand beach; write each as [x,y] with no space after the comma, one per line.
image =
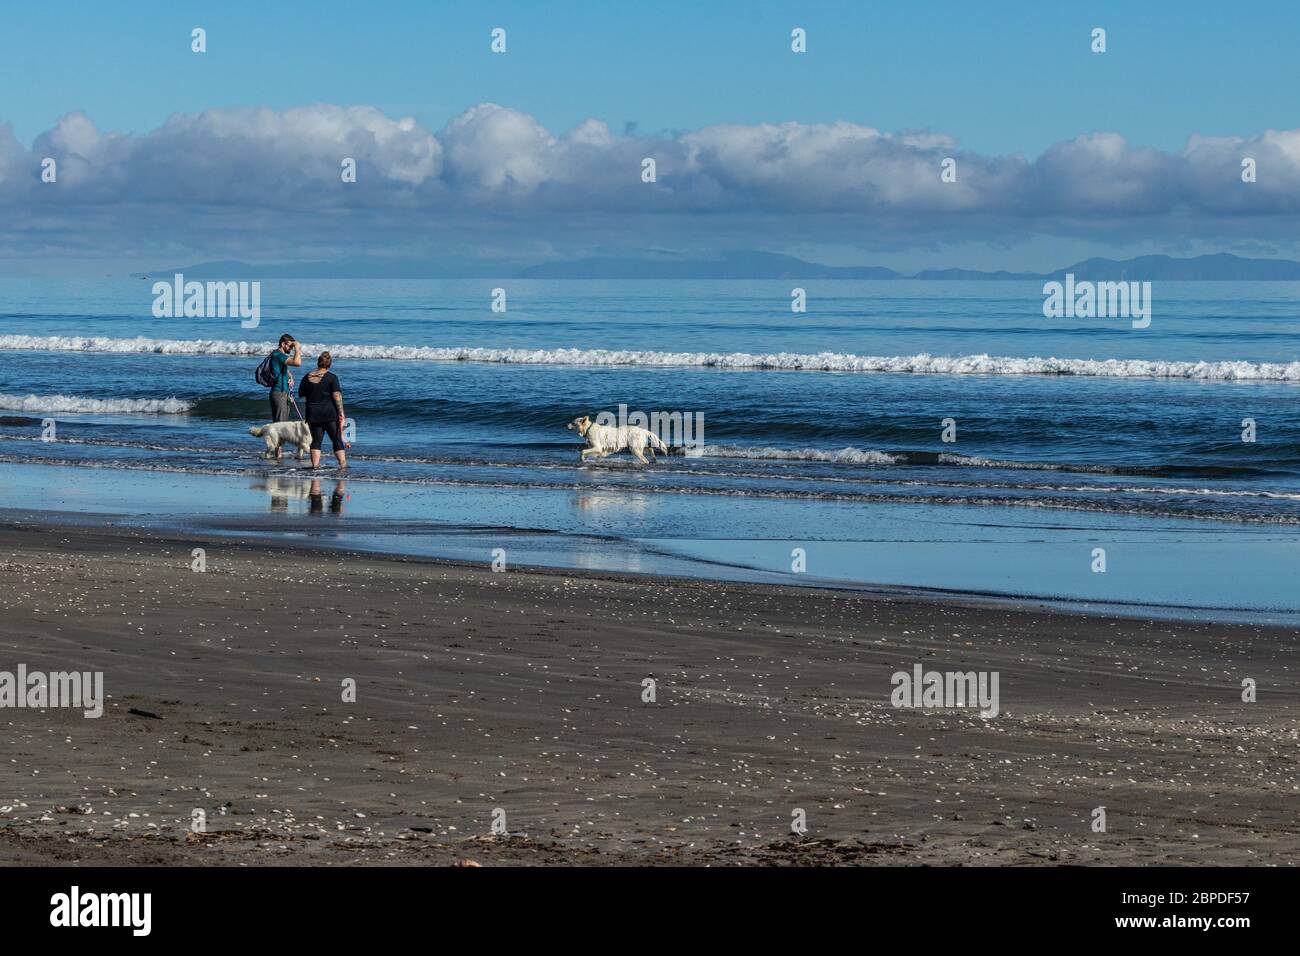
[522,691]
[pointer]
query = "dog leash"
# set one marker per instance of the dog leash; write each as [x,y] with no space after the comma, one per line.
[293,401]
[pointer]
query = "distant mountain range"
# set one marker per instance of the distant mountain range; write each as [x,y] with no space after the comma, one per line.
[728,265]
[369,268]
[743,264]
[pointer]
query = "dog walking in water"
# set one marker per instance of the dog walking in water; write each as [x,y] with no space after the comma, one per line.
[605,440]
[278,434]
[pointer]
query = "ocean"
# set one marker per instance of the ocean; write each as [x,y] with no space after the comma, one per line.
[1173,450]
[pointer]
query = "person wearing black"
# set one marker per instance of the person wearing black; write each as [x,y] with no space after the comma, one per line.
[324,398]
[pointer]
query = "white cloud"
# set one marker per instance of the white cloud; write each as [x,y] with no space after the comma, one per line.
[267,165]
[493,149]
[234,156]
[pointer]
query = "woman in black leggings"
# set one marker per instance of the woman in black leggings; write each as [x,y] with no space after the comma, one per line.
[324,399]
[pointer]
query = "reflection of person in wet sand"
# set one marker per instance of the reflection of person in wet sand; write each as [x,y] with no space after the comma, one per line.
[337,497]
[282,491]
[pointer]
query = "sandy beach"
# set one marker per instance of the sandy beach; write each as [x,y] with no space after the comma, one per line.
[481,692]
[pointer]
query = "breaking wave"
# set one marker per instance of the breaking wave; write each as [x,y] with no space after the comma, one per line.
[102,406]
[923,363]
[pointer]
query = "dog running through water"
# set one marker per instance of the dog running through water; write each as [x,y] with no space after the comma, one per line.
[605,440]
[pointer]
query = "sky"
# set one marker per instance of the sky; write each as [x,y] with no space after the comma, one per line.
[524,152]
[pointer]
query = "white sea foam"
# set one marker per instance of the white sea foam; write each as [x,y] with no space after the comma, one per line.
[103,406]
[824,361]
[853,456]
[975,461]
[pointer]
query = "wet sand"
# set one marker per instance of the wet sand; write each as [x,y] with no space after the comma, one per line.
[522,692]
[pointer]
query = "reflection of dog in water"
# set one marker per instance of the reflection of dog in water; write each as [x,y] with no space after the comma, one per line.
[337,497]
[282,490]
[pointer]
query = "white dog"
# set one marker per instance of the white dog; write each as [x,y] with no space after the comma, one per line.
[603,440]
[278,434]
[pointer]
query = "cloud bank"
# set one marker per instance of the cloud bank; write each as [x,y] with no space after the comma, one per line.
[494,171]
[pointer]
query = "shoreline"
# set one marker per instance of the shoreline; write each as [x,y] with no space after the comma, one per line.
[522,691]
[120,526]
[1163,567]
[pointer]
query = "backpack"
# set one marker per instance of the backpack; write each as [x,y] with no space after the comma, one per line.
[265,374]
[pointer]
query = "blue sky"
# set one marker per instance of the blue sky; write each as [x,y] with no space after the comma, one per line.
[995,80]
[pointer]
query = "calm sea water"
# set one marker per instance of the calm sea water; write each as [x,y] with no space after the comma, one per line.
[822,431]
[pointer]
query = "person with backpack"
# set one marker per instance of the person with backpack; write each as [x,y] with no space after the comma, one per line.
[274,374]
